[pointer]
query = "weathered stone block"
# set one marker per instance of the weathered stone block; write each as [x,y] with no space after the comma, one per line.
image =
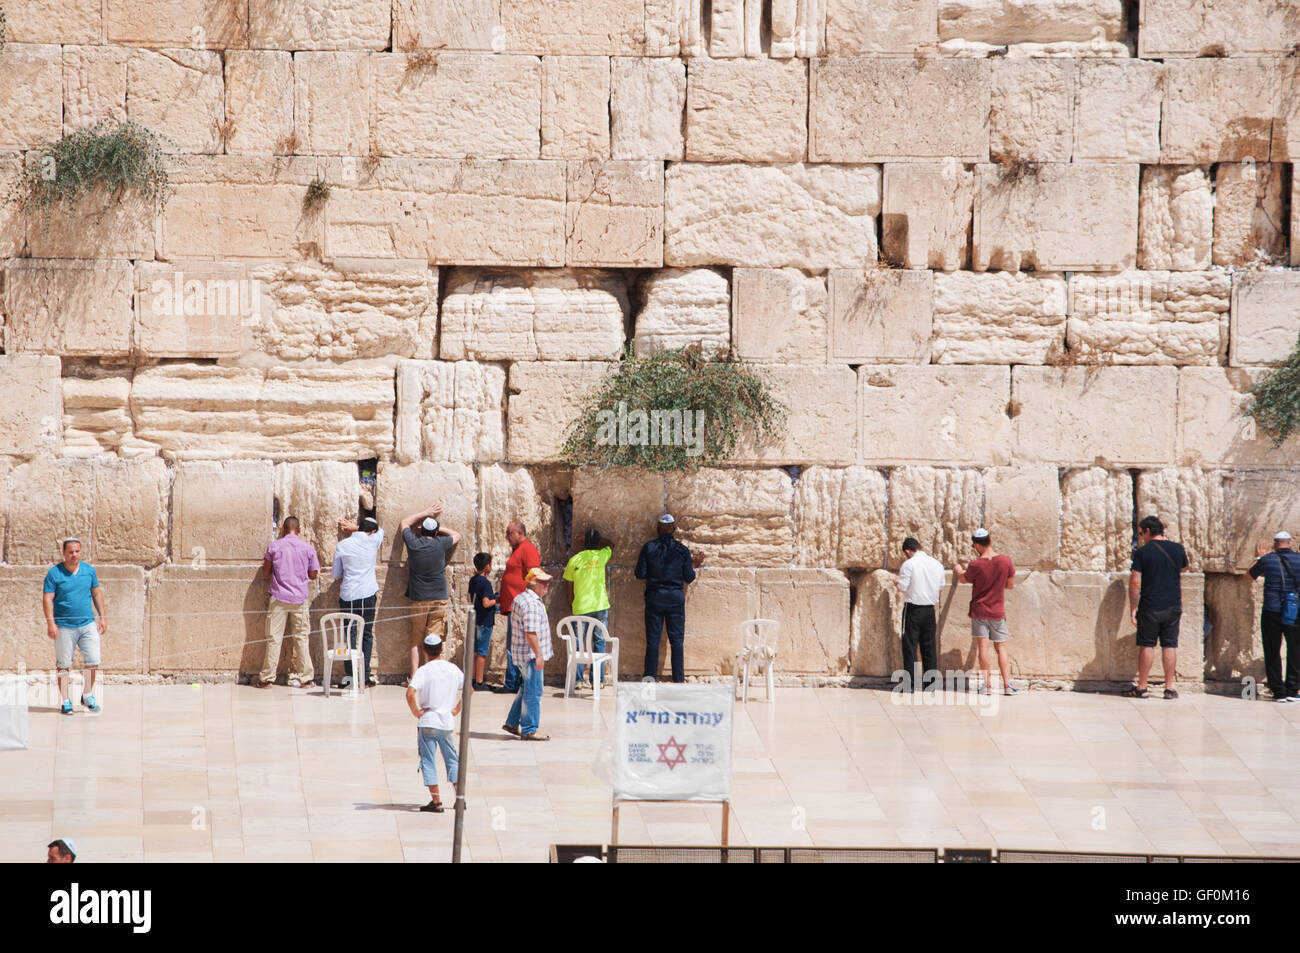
[1234,647]
[614,214]
[647,97]
[812,606]
[192,308]
[880,316]
[259,100]
[841,517]
[1149,317]
[75,21]
[939,507]
[331,104]
[1213,430]
[1192,505]
[1013,21]
[471,105]
[68,307]
[401,491]
[1022,509]
[118,508]
[575,27]
[624,504]
[449,411]
[1218,110]
[319,493]
[194,24]
[957,415]
[998,318]
[31,96]
[681,307]
[1074,415]
[526,495]
[897,26]
[820,426]
[803,216]
[1176,210]
[1215,27]
[672,28]
[180,95]
[305,25]
[222,511]
[874,648]
[12,220]
[209,619]
[734,517]
[727,36]
[575,107]
[1260,502]
[716,603]
[1117,111]
[870,109]
[31,404]
[1249,216]
[1096,520]
[97,418]
[927,215]
[747,110]
[448,25]
[779,315]
[1265,316]
[94,84]
[1032,106]
[1056,217]
[544,398]
[101,225]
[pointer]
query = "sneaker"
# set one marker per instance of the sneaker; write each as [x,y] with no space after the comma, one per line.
[986,688]
[1010,690]
[1283,699]
[66,708]
[372,681]
[89,702]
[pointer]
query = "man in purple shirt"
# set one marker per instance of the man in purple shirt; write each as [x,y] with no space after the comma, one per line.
[290,562]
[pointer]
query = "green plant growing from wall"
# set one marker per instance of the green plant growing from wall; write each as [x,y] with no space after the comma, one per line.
[1275,400]
[318,193]
[674,410]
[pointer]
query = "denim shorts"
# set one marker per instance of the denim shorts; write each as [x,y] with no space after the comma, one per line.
[482,640]
[429,741]
[84,637]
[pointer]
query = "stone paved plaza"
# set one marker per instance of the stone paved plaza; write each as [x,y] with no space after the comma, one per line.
[291,775]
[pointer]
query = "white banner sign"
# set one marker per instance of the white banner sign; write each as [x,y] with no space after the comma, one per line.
[672,742]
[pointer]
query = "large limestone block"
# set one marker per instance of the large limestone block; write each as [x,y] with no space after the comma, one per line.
[1022,21]
[673,27]
[196,24]
[623,504]
[331,103]
[998,318]
[575,107]
[97,418]
[193,308]
[544,399]
[681,307]
[734,517]
[195,411]
[614,215]
[841,517]
[25,643]
[533,316]
[747,110]
[647,98]
[574,27]
[812,606]
[779,315]
[180,95]
[1117,112]
[311,25]
[94,84]
[31,404]
[71,308]
[12,220]
[927,215]
[955,415]
[471,105]
[448,25]
[483,212]
[1218,110]
[355,309]
[716,603]
[31,95]
[1151,317]
[875,650]
[101,225]
[1056,217]
[71,21]
[1096,519]
[1234,647]
[209,619]
[939,507]
[1213,430]
[880,316]
[222,511]
[1216,27]
[1032,109]
[1265,316]
[871,109]
[1193,506]
[1249,213]
[449,411]
[319,493]
[518,494]
[1022,508]
[403,490]
[1260,503]
[118,508]
[1176,214]
[259,100]
[820,426]
[1116,416]
[804,216]
[727,36]
[896,26]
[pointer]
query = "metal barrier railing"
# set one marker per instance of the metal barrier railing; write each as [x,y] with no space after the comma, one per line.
[691,854]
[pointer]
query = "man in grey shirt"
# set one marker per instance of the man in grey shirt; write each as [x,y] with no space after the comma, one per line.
[427,550]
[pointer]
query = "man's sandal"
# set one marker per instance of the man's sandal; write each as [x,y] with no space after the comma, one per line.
[1170,693]
[1135,692]
[433,807]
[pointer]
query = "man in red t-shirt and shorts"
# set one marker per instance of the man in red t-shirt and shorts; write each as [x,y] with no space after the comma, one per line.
[990,575]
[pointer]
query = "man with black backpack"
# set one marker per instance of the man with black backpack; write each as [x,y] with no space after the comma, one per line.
[1281,571]
[1156,596]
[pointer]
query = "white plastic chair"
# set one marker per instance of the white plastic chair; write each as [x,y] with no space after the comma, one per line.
[757,653]
[578,632]
[335,646]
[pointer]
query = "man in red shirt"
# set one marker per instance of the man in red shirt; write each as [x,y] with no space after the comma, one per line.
[523,557]
[990,575]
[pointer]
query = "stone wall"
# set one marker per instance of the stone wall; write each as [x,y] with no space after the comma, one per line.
[1009,264]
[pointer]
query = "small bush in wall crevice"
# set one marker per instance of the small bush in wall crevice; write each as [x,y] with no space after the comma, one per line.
[1275,400]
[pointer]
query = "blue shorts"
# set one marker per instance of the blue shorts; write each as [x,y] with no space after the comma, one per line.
[482,640]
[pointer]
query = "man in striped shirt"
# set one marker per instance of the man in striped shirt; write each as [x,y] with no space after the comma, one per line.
[530,649]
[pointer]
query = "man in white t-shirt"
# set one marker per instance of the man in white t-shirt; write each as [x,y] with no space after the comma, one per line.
[920,578]
[434,698]
[354,564]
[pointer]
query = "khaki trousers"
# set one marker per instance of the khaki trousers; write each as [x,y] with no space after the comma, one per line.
[430,618]
[300,667]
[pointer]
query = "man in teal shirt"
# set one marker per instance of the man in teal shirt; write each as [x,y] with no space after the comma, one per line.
[74,619]
[585,574]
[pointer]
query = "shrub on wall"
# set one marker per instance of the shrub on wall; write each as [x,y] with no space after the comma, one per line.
[674,410]
[1275,400]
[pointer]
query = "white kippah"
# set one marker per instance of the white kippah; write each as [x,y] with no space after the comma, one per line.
[980,533]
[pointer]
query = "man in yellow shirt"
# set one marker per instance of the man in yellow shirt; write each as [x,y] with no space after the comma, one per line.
[585,576]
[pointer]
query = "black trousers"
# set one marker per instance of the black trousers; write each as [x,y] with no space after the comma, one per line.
[665,609]
[919,630]
[1273,631]
[366,609]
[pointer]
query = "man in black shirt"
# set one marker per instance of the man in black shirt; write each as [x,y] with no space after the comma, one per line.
[1156,597]
[666,566]
[1281,571]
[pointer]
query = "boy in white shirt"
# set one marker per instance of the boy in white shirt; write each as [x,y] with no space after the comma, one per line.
[431,695]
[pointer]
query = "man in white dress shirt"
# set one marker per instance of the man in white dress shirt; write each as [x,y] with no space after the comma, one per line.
[920,578]
[354,563]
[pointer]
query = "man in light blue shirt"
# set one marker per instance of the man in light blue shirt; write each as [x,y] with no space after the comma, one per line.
[74,617]
[354,563]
